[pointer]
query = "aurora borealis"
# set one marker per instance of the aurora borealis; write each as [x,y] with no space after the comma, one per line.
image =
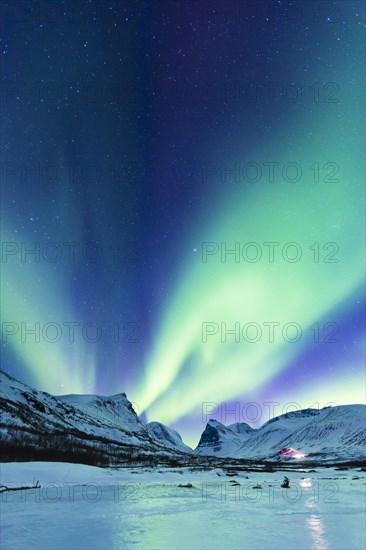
[142,140]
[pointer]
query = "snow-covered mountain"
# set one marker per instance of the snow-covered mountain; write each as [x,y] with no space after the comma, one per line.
[114,415]
[75,426]
[106,430]
[167,436]
[220,440]
[332,433]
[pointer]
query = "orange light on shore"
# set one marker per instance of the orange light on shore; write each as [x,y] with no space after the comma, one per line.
[289,452]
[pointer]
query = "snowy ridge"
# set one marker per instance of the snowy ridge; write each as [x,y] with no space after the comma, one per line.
[167,436]
[107,430]
[331,433]
[220,440]
[114,412]
[34,421]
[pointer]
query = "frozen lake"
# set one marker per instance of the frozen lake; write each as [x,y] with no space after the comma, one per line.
[83,507]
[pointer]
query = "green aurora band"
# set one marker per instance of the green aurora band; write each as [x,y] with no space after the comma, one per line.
[183,371]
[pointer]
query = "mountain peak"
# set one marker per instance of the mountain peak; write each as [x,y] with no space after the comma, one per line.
[213,422]
[167,436]
[68,427]
[331,433]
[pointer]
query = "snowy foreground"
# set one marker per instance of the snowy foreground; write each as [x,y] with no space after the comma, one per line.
[84,507]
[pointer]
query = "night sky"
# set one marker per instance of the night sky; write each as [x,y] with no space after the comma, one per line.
[140,142]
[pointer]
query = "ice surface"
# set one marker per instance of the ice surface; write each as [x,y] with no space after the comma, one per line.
[84,507]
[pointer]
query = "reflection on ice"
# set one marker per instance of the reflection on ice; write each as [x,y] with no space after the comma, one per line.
[306,483]
[317,532]
[144,509]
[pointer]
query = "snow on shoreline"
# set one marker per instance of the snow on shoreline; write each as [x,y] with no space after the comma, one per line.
[85,507]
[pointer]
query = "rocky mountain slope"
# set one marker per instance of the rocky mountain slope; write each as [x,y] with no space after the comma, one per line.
[90,428]
[167,436]
[101,430]
[331,433]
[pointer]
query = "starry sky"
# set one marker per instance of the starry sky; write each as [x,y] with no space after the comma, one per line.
[182,189]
